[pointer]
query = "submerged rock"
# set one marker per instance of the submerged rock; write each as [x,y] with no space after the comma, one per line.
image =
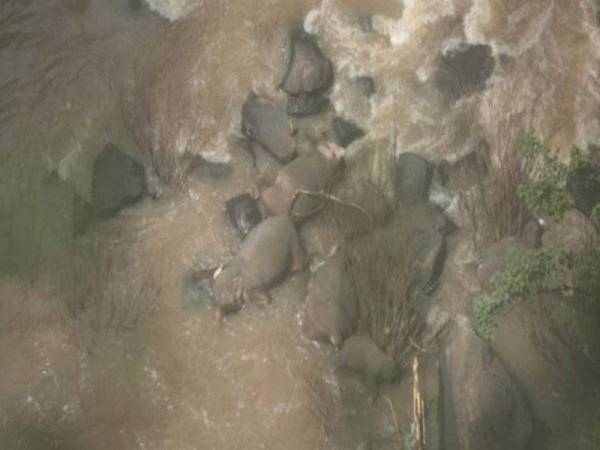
[365,85]
[412,177]
[463,71]
[243,212]
[304,105]
[308,71]
[269,126]
[346,132]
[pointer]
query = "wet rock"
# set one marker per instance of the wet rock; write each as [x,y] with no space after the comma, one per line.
[584,186]
[482,406]
[311,172]
[197,288]
[118,181]
[308,71]
[266,124]
[463,71]
[364,85]
[243,212]
[331,308]
[360,353]
[304,105]
[430,255]
[346,132]
[442,223]
[136,5]
[412,177]
[267,254]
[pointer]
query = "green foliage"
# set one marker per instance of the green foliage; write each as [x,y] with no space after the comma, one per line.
[545,193]
[526,275]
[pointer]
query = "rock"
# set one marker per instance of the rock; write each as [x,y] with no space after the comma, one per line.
[429,255]
[532,234]
[572,232]
[117,181]
[243,212]
[360,353]
[331,307]
[584,186]
[304,105]
[412,177]
[136,4]
[308,71]
[483,409]
[442,222]
[266,124]
[463,71]
[197,288]
[364,85]
[346,132]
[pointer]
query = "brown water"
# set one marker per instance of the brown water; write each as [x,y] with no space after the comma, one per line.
[159,373]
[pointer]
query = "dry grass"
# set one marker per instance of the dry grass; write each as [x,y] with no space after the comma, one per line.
[493,207]
[386,289]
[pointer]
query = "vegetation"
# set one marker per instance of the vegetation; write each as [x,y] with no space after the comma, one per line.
[529,273]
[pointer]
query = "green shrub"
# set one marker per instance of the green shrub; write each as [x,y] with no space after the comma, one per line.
[527,274]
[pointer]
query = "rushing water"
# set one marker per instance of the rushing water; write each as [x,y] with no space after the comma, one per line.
[163,375]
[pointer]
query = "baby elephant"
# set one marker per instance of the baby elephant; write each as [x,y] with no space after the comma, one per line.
[360,353]
[269,252]
[312,172]
[330,309]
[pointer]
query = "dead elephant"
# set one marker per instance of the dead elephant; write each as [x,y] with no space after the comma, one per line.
[331,308]
[361,354]
[310,172]
[270,251]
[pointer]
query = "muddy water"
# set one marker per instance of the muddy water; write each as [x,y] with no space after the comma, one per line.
[153,371]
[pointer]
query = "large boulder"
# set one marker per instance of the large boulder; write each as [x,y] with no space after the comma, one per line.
[463,70]
[571,233]
[483,409]
[345,132]
[411,177]
[118,181]
[308,71]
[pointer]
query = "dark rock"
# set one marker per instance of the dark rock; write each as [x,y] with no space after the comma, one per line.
[483,409]
[304,105]
[532,234]
[464,70]
[412,177]
[308,71]
[243,212]
[136,4]
[269,126]
[365,85]
[442,222]
[430,254]
[197,288]
[117,181]
[584,186]
[346,132]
